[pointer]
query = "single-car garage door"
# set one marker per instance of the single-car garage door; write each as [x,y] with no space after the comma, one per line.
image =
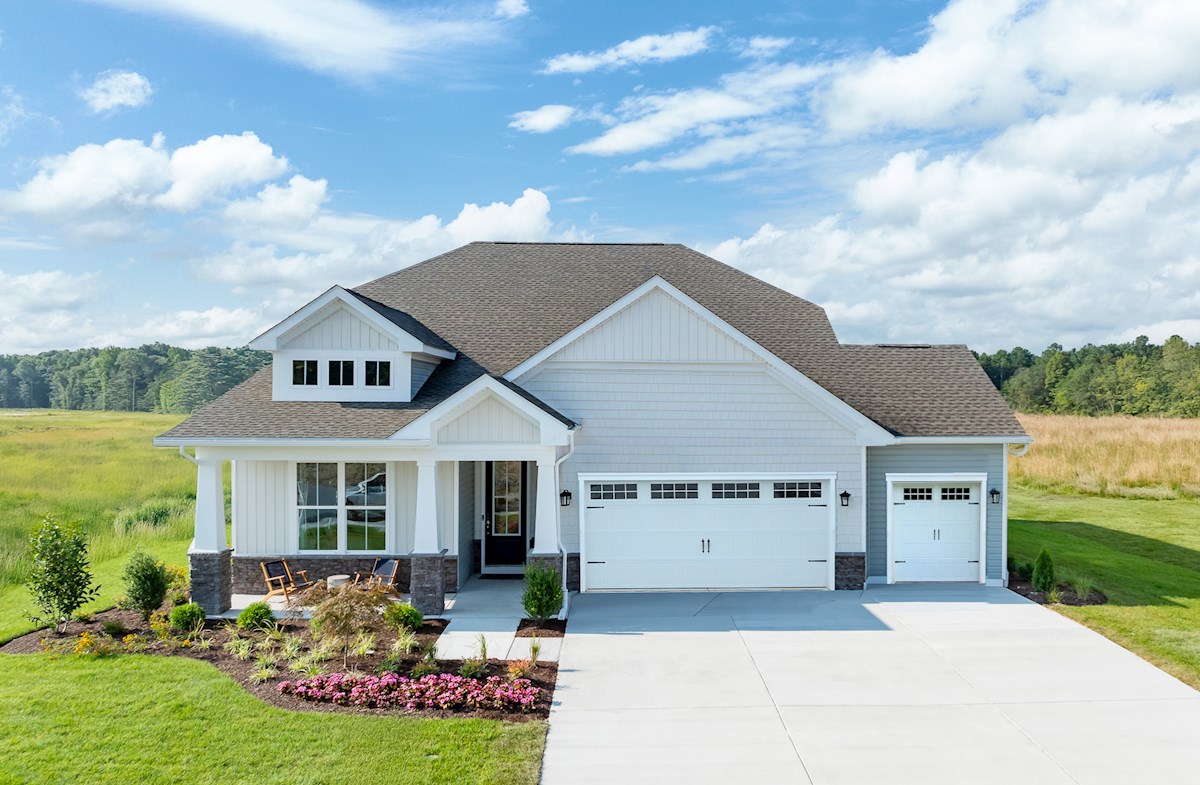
[707,534]
[935,531]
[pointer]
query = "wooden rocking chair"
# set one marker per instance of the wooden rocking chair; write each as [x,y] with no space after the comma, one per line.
[281,580]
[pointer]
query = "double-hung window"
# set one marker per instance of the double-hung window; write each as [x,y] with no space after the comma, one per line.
[342,506]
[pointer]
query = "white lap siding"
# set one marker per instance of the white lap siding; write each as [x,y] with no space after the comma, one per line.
[722,418]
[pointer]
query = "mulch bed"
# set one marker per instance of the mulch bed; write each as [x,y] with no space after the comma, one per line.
[1025,589]
[544,675]
[550,628]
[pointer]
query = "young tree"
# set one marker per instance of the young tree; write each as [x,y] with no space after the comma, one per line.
[60,581]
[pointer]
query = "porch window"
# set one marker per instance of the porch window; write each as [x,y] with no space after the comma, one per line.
[342,506]
[341,373]
[304,372]
[378,373]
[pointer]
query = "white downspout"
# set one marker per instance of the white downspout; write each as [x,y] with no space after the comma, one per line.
[566,607]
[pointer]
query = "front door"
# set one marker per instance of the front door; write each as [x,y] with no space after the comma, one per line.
[504,519]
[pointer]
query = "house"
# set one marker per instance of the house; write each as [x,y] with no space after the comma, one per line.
[640,416]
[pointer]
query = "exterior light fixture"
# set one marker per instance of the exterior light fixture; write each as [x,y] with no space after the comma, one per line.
[994,495]
[845,497]
[564,499]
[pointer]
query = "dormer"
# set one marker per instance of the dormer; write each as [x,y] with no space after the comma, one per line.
[346,347]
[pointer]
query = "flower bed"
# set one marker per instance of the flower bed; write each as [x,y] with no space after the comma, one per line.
[443,691]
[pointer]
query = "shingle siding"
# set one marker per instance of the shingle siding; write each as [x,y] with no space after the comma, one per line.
[932,459]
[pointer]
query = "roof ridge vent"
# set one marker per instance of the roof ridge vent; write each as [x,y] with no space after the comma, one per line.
[904,345]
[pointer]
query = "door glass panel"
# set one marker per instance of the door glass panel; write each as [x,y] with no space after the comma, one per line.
[506,498]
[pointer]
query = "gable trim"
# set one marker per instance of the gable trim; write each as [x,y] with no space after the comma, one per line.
[553,430]
[866,430]
[307,316]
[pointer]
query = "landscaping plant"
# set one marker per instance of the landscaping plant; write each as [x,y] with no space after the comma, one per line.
[59,579]
[403,616]
[256,616]
[187,618]
[1043,572]
[441,691]
[146,582]
[543,595]
[345,613]
[1082,586]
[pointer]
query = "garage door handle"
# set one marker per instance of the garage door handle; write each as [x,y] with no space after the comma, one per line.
[818,505]
[596,562]
[900,561]
[595,508]
[814,561]
[973,561]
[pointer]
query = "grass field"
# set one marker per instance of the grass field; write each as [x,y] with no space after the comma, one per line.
[96,469]
[169,719]
[1144,553]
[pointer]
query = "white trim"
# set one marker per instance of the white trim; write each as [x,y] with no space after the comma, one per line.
[588,477]
[1003,516]
[553,431]
[863,506]
[308,314]
[890,480]
[964,440]
[867,431]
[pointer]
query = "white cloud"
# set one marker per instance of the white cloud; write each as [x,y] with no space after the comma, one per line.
[543,119]
[114,89]
[646,49]
[217,164]
[294,205]
[511,9]
[648,121]
[763,46]
[47,290]
[344,37]
[13,113]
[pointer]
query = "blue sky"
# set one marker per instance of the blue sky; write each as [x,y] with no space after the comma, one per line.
[987,172]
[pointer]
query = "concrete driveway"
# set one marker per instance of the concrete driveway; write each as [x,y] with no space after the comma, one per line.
[900,684]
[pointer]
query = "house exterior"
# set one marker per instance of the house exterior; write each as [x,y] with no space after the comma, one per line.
[639,416]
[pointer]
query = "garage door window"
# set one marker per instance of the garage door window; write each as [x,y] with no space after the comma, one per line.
[956,494]
[918,494]
[798,490]
[617,490]
[674,490]
[735,490]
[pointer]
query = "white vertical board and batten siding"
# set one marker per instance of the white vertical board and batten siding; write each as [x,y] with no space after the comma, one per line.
[342,329]
[705,405]
[933,459]
[489,421]
[447,505]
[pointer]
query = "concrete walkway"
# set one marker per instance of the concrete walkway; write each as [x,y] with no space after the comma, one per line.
[899,684]
[492,608]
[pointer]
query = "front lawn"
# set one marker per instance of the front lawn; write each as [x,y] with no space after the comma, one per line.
[167,719]
[1144,554]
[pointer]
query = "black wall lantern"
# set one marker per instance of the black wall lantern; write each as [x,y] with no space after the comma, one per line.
[845,497]
[994,495]
[564,499]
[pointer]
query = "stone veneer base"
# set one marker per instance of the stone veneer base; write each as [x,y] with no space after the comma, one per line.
[427,584]
[248,579]
[850,571]
[211,584]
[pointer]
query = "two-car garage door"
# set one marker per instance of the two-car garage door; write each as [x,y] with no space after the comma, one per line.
[723,533]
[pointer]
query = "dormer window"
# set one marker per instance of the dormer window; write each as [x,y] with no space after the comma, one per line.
[341,373]
[378,373]
[304,372]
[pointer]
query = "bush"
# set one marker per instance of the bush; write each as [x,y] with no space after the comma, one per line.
[256,616]
[146,583]
[59,579]
[424,668]
[1043,572]
[1025,571]
[543,594]
[114,629]
[403,616]
[187,617]
[442,691]
[178,586]
[346,613]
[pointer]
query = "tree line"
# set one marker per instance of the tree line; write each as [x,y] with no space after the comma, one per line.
[1117,378]
[151,378]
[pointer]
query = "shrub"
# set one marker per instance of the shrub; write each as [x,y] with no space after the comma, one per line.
[543,594]
[1025,571]
[519,669]
[59,579]
[178,586]
[424,668]
[146,583]
[93,645]
[345,613]
[472,668]
[114,629]
[187,618]
[160,625]
[1043,572]
[403,616]
[256,616]
[441,691]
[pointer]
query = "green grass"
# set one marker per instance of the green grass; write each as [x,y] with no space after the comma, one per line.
[1144,554]
[159,719]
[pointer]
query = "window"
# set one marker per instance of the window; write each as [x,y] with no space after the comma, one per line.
[619,490]
[735,490]
[342,502]
[798,490]
[378,373]
[304,372]
[918,494]
[956,494]
[674,490]
[341,373]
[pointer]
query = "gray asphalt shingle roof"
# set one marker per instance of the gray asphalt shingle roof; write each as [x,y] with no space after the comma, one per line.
[497,304]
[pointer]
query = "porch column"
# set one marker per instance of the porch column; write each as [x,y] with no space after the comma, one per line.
[209,557]
[545,534]
[427,584]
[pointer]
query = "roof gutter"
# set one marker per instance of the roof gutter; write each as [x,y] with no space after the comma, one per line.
[964,440]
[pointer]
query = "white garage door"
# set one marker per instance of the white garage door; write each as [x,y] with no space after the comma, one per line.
[935,531]
[707,534]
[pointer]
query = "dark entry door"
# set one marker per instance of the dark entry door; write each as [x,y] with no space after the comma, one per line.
[504,532]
